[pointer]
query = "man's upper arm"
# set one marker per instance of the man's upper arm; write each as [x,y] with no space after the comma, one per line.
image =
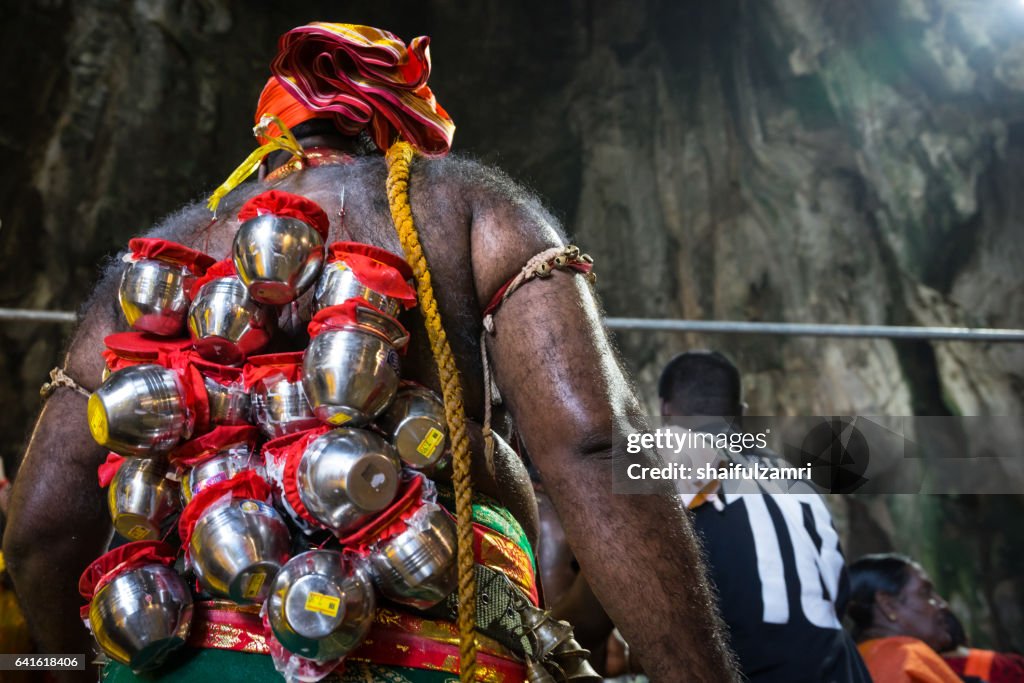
[554,364]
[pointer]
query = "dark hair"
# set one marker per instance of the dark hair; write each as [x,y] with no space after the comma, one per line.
[880,573]
[701,383]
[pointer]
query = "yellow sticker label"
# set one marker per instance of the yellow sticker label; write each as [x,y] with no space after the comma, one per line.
[324,604]
[339,419]
[252,588]
[430,442]
[138,532]
[98,420]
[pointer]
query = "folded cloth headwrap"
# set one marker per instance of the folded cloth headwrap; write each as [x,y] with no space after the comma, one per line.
[277,101]
[365,77]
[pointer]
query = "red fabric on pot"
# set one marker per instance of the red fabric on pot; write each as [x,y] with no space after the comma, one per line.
[225,268]
[109,468]
[347,316]
[246,484]
[170,252]
[200,449]
[286,365]
[125,349]
[125,558]
[291,452]
[378,269]
[278,203]
[388,522]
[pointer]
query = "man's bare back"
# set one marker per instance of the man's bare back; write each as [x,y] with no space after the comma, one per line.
[553,364]
[353,197]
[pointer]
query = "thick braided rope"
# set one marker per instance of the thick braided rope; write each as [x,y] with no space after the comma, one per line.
[399,158]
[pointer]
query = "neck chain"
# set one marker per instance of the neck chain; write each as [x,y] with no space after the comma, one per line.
[313,157]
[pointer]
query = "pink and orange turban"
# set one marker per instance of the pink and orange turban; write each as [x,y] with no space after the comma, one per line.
[361,77]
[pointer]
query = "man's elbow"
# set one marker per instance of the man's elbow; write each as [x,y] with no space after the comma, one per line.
[594,446]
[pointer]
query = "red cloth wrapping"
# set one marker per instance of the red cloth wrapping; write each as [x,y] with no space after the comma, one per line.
[288,450]
[287,366]
[191,369]
[124,349]
[289,205]
[218,372]
[196,400]
[225,268]
[367,78]
[200,449]
[125,558]
[246,484]
[170,252]
[378,269]
[109,468]
[346,317]
[389,522]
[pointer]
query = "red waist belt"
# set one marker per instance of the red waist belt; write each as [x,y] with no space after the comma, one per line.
[395,639]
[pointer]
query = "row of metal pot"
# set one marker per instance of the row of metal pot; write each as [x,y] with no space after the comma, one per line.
[319,603]
[277,254]
[147,410]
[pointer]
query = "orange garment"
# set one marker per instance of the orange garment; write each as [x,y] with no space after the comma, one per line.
[277,101]
[901,659]
[979,664]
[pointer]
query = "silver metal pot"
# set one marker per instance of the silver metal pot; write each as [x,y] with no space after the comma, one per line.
[154,296]
[230,404]
[321,606]
[237,548]
[349,375]
[140,410]
[141,498]
[277,257]
[281,408]
[345,476]
[142,616]
[226,323]
[417,567]
[221,467]
[416,423]
[338,283]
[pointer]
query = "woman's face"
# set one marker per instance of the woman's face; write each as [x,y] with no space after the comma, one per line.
[920,612]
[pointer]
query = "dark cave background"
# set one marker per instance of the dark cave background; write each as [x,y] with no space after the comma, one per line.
[777,160]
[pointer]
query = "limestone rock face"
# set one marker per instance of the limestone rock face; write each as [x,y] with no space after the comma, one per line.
[778,160]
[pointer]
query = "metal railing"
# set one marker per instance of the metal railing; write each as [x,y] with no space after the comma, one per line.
[817,329]
[972,334]
[37,316]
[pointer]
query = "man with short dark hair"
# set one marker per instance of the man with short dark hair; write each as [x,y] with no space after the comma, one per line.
[774,557]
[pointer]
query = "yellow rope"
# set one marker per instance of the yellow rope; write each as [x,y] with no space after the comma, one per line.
[399,159]
[286,141]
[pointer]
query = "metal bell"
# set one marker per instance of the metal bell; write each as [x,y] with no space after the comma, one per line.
[571,661]
[545,633]
[536,673]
